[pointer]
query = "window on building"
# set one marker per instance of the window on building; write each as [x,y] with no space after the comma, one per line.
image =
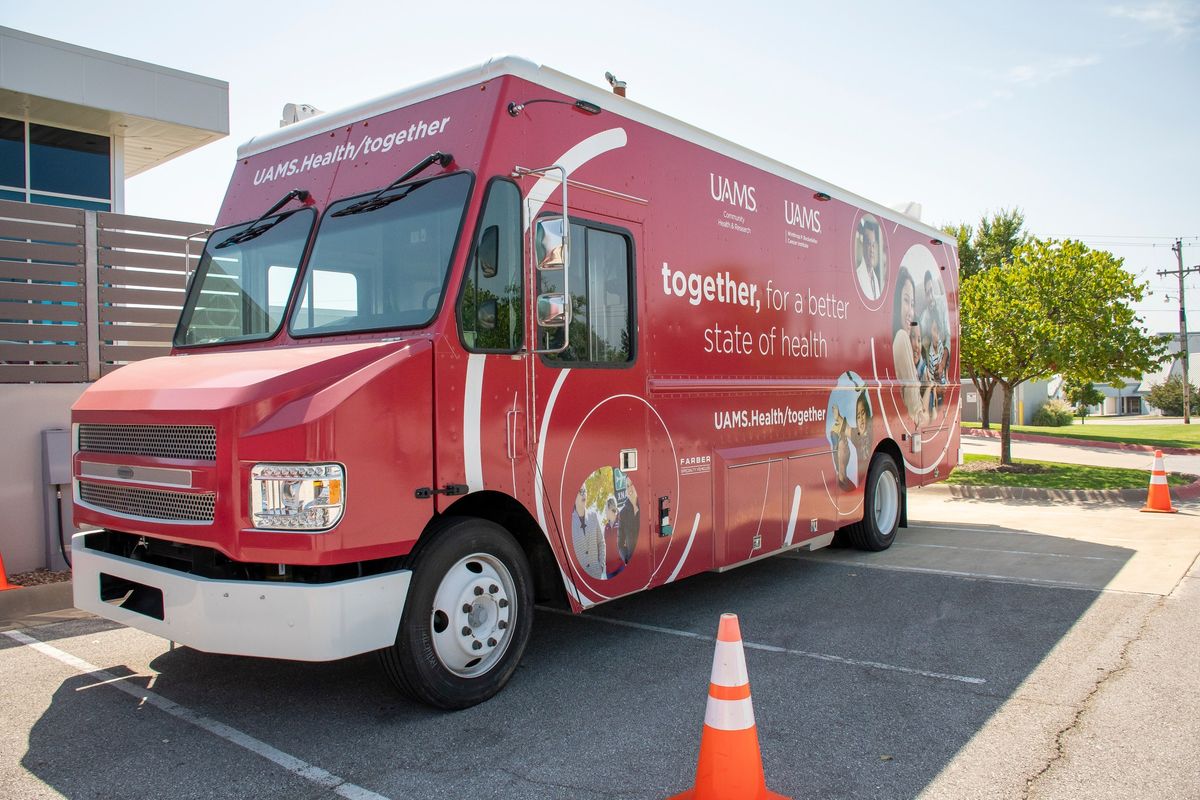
[69,162]
[601,284]
[12,157]
[66,168]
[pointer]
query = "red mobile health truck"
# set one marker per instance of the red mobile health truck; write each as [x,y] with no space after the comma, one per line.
[499,339]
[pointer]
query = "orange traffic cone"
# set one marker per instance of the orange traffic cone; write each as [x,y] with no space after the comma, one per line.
[4,584]
[1159,497]
[730,765]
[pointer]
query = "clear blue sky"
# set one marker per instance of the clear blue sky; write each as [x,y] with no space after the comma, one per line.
[1086,115]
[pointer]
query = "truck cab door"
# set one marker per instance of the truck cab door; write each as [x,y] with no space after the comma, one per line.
[481,403]
[593,431]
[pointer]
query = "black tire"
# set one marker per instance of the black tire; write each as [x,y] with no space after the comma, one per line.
[444,655]
[883,499]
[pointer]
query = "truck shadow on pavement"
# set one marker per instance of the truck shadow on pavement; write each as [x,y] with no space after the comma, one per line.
[866,682]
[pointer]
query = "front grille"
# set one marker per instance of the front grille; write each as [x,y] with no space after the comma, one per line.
[197,442]
[149,503]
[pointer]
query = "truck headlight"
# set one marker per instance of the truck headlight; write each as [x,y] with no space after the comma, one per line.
[302,497]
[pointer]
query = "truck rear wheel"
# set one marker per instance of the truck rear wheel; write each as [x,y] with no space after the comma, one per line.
[467,617]
[881,507]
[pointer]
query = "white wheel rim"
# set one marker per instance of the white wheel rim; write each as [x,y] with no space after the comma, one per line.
[887,502]
[472,615]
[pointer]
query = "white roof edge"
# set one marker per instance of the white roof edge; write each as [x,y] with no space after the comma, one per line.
[323,123]
[572,87]
[104,56]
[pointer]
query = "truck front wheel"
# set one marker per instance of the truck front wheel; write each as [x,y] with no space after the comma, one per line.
[467,616]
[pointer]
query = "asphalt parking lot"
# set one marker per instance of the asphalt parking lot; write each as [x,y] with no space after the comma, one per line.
[998,650]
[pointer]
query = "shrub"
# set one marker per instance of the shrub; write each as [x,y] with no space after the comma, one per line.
[1054,414]
[1168,397]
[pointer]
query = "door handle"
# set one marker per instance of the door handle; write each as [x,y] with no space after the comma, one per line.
[512,420]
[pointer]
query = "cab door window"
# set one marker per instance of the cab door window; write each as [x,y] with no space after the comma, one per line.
[490,317]
[601,286]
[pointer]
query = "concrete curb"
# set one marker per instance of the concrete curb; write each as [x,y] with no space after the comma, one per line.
[1040,439]
[1122,497]
[29,600]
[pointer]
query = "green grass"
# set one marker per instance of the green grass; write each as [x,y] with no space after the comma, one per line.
[1059,476]
[1154,435]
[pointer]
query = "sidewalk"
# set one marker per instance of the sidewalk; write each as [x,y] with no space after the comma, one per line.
[36,605]
[1132,447]
[1083,453]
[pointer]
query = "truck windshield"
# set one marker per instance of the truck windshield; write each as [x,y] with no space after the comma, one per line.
[241,288]
[382,264]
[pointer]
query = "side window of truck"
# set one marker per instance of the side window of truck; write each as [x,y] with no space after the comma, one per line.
[601,284]
[490,307]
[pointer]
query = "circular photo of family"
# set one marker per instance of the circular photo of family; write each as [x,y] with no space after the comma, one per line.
[605,522]
[921,335]
[870,257]
[848,429]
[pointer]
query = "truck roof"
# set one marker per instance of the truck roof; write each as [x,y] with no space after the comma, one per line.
[554,80]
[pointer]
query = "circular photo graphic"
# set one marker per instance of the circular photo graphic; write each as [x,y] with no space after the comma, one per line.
[921,334]
[848,428]
[605,523]
[870,257]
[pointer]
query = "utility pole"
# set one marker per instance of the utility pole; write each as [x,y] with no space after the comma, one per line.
[1183,331]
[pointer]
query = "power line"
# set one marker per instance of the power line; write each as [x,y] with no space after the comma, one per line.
[1119,236]
[1114,240]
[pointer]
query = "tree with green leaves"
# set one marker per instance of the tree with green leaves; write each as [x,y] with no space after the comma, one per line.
[1083,396]
[968,257]
[999,236]
[1057,307]
[981,248]
[1168,397]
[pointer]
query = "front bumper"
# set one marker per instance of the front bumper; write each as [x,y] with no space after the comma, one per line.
[295,621]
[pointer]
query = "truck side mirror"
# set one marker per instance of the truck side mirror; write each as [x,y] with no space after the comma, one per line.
[489,251]
[552,310]
[551,243]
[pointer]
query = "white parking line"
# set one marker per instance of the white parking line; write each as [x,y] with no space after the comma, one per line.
[770,648]
[964,529]
[1011,552]
[294,765]
[971,576]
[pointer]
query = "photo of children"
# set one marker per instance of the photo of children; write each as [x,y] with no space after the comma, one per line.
[848,428]
[605,522]
[921,335]
[870,256]
[935,338]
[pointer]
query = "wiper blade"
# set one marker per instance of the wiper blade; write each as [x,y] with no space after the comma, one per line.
[254,229]
[377,201]
[373,203]
[248,234]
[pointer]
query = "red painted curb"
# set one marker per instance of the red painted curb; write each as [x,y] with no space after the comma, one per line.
[1188,492]
[1040,439]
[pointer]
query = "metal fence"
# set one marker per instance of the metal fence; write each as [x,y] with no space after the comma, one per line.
[84,292]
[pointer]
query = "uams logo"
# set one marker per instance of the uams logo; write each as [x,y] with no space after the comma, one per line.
[726,191]
[802,216]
